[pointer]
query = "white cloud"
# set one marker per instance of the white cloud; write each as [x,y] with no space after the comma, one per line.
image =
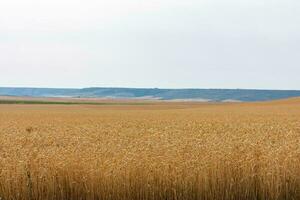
[150,43]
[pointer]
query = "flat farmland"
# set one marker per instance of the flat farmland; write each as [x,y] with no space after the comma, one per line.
[155,151]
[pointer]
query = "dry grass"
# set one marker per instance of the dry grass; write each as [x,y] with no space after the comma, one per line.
[180,152]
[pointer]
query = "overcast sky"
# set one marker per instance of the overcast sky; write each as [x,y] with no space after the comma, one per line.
[150,43]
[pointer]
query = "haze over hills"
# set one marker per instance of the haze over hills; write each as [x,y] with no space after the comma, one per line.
[155,93]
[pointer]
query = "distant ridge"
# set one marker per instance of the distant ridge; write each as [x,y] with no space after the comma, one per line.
[215,95]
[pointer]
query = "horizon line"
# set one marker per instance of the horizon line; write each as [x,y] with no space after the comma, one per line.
[162,88]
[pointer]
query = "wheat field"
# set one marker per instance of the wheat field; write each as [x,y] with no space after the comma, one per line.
[164,151]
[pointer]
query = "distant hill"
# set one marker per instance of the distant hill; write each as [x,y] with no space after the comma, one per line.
[155,93]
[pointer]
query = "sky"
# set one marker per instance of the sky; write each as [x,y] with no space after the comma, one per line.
[252,44]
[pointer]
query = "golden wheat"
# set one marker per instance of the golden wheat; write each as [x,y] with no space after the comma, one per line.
[163,151]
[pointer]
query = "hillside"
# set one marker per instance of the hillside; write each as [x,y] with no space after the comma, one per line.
[154,93]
